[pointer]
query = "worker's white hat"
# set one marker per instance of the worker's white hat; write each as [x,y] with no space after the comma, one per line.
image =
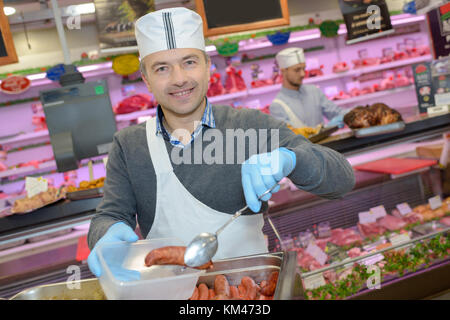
[167,29]
[290,57]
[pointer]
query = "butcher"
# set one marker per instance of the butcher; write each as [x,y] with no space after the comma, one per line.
[298,104]
[148,185]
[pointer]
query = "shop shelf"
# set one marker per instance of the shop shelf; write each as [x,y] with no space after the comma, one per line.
[374,95]
[25,137]
[49,165]
[230,96]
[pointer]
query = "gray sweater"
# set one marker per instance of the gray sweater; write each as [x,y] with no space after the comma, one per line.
[130,185]
[309,104]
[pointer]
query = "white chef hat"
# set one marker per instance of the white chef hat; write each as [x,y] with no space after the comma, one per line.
[290,57]
[167,29]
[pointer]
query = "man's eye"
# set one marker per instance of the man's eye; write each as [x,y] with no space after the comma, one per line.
[190,62]
[161,69]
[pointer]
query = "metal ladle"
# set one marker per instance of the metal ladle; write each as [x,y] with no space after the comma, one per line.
[204,246]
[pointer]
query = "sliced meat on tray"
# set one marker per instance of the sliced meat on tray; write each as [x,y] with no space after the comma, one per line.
[345,237]
[371,229]
[391,223]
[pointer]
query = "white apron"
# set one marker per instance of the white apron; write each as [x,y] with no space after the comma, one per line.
[293,119]
[178,214]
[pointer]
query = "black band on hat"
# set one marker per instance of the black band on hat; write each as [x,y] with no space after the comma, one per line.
[168,27]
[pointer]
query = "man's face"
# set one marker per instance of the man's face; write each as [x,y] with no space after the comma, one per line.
[178,78]
[295,74]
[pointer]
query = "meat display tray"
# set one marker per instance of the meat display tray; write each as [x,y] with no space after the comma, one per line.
[376,130]
[35,209]
[257,267]
[85,194]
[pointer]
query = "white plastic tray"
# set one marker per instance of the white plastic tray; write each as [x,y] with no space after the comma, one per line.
[155,283]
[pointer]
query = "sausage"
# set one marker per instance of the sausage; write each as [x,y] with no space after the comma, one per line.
[221,297]
[269,288]
[170,255]
[194,295]
[203,292]
[242,291]
[221,286]
[234,292]
[251,288]
[212,294]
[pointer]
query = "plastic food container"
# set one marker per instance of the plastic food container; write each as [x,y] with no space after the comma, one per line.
[121,259]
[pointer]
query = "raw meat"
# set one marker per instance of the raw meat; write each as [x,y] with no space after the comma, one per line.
[412,217]
[391,223]
[344,237]
[445,221]
[134,103]
[340,67]
[401,81]
[215,86]
[234,81]
[371,229]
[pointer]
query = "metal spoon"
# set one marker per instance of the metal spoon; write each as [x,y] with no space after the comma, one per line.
[204,246]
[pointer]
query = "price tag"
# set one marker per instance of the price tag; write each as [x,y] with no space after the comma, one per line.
[34,186]
[379,211]
[435,202]
[401,238]
[403,208]
[372,260]
[366,217]
[314,282]
[317,253]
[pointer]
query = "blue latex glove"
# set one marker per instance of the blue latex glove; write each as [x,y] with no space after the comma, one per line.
[261,172]
[337,121]
[117,232]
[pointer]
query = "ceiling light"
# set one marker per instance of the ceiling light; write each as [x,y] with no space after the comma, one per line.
[9,10]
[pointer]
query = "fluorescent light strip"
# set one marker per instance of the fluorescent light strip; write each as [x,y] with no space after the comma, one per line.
[94,67]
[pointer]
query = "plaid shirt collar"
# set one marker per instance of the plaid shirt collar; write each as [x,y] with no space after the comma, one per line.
[207,120]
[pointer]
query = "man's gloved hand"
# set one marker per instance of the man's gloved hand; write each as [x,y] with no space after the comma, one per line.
[337,121]
[117,232]
[261,172]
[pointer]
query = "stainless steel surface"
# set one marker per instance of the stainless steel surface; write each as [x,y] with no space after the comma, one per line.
[382,129]
[12,244]
[258,267]
[48,228]
[88,289]
[85,194]
[204,246]
[49,235]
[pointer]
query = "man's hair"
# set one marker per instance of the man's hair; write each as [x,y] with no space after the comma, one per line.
[143,69]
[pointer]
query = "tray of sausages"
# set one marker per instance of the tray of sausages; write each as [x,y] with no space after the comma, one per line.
[254,277]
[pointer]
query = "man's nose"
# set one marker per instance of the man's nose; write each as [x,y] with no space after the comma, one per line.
[179,77]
